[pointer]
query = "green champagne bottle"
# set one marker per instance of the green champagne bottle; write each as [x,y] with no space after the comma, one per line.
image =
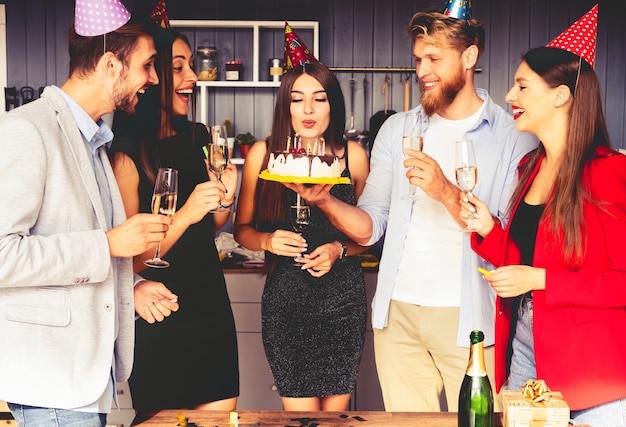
[476,397]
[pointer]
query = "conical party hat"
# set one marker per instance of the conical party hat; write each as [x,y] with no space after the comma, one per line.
[98,17]
[296,52]
[580,37]
[460,9]
[159,15]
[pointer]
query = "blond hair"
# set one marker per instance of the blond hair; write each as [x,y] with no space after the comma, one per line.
[446,32]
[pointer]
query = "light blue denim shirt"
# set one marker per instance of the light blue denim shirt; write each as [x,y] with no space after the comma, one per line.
[499,148]
[95,135]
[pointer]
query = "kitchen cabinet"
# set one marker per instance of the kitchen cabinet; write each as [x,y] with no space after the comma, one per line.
[252,42]
[257,390]
[245,288]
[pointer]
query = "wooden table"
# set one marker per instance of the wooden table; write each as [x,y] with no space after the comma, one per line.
[168,418]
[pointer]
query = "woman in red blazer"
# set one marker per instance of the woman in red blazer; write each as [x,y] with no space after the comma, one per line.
[561,260]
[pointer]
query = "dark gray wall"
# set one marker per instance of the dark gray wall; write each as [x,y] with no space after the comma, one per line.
[359,33]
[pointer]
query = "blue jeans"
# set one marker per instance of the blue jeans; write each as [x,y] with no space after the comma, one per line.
[32,416]
[608,414]
[523,359]
[523,368]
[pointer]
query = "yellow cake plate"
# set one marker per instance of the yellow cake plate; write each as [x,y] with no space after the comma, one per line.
[266,175]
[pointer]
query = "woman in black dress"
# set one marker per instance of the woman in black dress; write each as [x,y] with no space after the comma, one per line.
[313,315]
[189,361]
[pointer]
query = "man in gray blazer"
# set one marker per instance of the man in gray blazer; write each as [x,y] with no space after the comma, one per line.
[68,298]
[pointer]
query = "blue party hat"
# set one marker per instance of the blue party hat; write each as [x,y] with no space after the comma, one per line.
[460,9]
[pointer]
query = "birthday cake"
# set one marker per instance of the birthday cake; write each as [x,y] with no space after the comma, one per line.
[298,161]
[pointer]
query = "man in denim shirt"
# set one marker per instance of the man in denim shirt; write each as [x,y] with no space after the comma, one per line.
[429,294]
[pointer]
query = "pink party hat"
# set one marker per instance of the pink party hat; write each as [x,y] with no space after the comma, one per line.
[460,9]
[580,37]
[98,17]
[296,52]
[159,15]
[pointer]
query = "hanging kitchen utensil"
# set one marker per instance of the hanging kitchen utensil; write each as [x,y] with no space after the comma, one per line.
[407,91]
[377,120]
[364,136]
[351,133]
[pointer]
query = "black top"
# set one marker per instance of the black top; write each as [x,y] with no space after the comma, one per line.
[524,227]
[176,361]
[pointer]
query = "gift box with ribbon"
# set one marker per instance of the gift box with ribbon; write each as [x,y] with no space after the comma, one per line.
[535,405]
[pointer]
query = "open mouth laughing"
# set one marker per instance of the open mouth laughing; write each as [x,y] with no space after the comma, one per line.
[517,112]
[185,93]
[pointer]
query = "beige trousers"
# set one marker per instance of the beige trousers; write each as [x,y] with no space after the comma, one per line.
[420,367]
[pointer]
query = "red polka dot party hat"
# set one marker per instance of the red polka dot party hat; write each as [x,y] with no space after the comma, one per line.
[580,37]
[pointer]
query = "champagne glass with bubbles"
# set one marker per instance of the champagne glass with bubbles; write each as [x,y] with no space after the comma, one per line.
[217,156]
[466,171]
[163,203]
[412,137]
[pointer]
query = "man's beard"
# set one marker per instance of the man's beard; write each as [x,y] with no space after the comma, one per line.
[436,100]
[124,101]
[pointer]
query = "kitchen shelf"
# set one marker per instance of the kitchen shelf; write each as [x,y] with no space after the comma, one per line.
[256,27]
[237,83]
[381,69]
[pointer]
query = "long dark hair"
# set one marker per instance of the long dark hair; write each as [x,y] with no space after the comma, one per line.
[146,125]
[586,131]
[270,197]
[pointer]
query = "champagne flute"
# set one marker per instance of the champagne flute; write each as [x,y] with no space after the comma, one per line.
[217,156]
[466,171]
[163,203]
[412,137]
[299,214]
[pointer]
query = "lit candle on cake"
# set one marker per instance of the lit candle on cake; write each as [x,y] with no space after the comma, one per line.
[288,143]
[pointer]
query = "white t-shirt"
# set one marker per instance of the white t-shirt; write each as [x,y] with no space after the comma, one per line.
[430,266]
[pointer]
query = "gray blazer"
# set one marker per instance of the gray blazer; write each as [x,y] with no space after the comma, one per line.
[64,318]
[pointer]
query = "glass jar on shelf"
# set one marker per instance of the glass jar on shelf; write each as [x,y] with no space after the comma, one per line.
[234,70]
[276,69]
[206,63]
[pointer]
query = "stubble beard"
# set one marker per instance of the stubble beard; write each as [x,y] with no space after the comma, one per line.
[435,101]
[123,99]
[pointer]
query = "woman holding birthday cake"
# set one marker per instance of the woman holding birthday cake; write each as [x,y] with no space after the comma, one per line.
[313,312]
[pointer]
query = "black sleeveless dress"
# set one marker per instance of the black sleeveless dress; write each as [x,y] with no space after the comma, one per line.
[191,357]
[314,328]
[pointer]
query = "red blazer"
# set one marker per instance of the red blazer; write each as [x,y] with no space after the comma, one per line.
[579,320]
